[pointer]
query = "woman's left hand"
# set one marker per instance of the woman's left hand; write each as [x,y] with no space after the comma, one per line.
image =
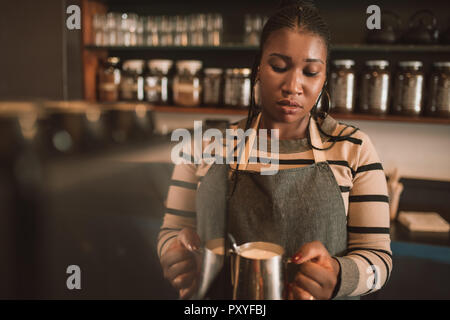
[318,273]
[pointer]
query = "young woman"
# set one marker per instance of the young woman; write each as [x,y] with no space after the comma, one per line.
[327,205]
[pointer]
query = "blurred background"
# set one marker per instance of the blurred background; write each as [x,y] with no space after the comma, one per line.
[86,116]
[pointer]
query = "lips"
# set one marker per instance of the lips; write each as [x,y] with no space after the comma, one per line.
[288,103]
[288,106]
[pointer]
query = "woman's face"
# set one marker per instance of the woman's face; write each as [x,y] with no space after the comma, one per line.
[292,73]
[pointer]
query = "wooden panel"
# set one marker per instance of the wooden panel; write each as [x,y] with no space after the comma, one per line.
[90,59]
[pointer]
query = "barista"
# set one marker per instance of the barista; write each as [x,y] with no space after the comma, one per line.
[327,206]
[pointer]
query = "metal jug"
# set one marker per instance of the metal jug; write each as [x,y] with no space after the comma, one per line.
[389,32]
[212,262]
[258,279]
[420,30]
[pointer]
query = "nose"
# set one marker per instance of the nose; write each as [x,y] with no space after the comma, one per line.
[293,84]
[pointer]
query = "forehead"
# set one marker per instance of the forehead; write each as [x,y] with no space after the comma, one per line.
[298,45]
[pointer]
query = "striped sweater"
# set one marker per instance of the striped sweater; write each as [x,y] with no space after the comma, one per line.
[367,264]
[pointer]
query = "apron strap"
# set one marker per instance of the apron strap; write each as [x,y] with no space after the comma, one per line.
[319,155]
[249,145]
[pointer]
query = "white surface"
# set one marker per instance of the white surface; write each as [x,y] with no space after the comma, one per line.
[423,221]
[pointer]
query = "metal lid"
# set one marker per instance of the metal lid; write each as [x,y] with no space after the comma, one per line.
[346,63]
[163,65]
[440,64]
[245,71]
[113,60]
[377,63]
[192,66]
[133,65]
[213,71]
[414,64]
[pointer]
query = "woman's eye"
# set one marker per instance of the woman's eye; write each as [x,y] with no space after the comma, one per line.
[278,69]
[311,74]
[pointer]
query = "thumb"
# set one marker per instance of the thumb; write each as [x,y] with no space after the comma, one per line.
[190,239]
[312,251]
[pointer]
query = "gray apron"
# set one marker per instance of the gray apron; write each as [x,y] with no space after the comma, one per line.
[290,208]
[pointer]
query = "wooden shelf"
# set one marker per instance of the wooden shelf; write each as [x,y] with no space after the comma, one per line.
[175,109]
[366,117]
[243,47]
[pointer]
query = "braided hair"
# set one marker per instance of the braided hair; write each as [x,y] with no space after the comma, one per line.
[301,16]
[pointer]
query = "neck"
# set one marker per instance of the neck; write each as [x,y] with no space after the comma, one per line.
[294,130]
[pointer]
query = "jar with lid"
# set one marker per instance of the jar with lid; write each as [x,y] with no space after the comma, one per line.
[439,94]
[157,83]
[132,82]
[187,85]
[374,97]
[212,86]
[237,87]
[109,80]
[408,91]
[342,85]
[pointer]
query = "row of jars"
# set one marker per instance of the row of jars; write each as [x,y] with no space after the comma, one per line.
[130,29]
[409,88]
[190,85]
[68,127]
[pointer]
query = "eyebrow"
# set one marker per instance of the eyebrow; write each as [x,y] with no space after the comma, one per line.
[282,56]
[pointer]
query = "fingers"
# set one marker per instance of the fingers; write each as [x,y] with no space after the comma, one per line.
[187,293]
[190,239]
[314,251]
[184,280]
[175,254]
[308,285]
[179,268]
[297,293]
[317,273]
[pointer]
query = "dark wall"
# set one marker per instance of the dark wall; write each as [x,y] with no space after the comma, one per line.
[39,57]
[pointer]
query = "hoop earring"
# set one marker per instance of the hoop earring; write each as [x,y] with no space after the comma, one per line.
[318,109]
[327,111]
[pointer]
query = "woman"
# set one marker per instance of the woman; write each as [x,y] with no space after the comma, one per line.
[327,205]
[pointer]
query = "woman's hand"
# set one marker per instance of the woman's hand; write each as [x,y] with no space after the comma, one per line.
[318,273]
[180,263]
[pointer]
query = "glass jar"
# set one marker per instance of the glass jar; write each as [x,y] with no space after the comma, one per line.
[187,86]
[157,82]
[244,87]
[212,85]
[237,91]
[342,86]
[375,87]
[109,80]
[439,94]
[228,88]
[408,92]
[132,82]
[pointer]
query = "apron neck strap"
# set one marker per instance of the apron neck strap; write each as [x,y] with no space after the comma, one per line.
[316,141]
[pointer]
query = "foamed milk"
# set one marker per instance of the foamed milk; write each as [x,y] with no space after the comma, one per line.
[259,254]
[218,250]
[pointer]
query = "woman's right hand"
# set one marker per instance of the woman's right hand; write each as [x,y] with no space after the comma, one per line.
[180,263]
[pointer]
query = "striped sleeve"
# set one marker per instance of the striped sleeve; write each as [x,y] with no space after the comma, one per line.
[367,265]
[180,205]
